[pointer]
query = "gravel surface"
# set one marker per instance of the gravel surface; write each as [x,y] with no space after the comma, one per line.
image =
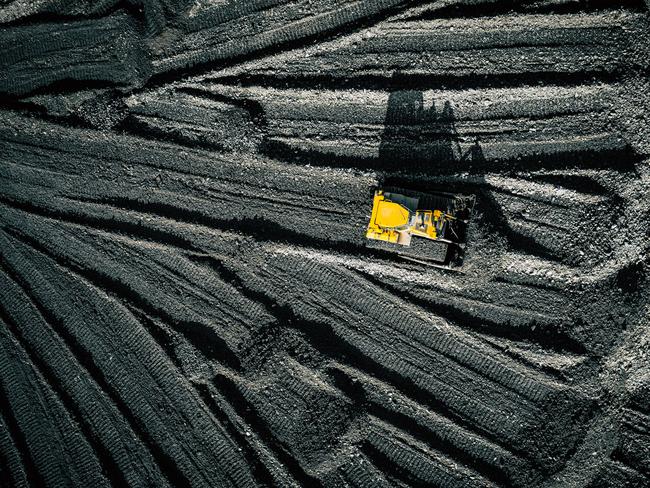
[187,297]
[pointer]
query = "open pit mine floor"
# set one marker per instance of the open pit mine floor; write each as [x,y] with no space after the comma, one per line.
[187,296]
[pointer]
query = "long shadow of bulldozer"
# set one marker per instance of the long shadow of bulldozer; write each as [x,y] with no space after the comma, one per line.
[415,136]
[421,150]
[420,142]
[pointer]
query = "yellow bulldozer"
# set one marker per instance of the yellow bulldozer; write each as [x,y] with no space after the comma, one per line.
[438,221]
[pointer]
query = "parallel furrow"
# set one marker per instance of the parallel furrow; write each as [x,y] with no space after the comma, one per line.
[513,45]
[413,462]
[100,51]
[120,448]
[60,452]
[438,432]
[13,470]
[142,368]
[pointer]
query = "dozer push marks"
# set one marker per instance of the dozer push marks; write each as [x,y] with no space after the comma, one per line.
[438,221]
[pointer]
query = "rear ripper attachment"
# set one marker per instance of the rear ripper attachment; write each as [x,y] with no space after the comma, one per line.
[429,228]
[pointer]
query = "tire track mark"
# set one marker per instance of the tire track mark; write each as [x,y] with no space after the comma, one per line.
[324,339]
[98,416]
[173,460]
[109,467]
[58,450]
[16,459]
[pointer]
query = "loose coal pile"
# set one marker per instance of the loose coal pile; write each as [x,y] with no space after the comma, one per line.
[186,294]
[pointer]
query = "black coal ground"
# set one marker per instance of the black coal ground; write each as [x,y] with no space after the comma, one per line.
[186,294]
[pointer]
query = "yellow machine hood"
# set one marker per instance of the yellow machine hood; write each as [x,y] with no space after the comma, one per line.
[391,215]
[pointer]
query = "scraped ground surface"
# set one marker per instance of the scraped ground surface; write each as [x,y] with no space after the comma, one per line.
[186,298]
